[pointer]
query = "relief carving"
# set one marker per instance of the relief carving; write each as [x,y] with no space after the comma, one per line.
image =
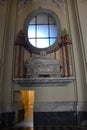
[24,3]
[43,67]
[60,4]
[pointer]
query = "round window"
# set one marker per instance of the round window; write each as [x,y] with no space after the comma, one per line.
[42,30]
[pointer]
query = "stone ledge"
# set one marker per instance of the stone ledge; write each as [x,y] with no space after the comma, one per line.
[42,82]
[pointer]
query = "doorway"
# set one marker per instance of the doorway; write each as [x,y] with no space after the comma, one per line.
[28,101]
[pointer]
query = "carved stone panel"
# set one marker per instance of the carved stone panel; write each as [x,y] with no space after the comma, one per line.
[42,67]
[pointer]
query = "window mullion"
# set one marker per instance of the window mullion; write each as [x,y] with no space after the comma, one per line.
[42,33]
[36,31]
[48,30]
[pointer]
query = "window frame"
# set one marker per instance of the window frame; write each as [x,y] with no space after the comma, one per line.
[26,24]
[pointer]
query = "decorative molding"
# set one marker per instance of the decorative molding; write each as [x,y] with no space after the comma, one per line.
[53,106]
[2,2]
[23,4]
[60,4]
[43,82]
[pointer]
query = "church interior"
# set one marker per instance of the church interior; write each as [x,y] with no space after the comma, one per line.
[43,64]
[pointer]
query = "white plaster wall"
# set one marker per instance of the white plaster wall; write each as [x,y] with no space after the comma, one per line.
[54,94]
[82,18]
[81,87]
[82,10]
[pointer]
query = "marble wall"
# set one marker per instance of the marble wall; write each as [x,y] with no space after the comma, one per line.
[55,114]
[59,113]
